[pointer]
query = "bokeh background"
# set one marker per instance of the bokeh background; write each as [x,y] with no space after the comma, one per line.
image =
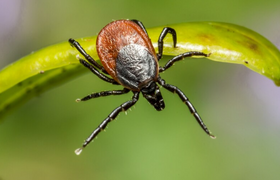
[240,107]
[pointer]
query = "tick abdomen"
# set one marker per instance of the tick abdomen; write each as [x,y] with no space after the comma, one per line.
[135,66]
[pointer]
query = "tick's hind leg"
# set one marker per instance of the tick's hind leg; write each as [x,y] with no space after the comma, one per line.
[184,98]
[125,106]
[104,93]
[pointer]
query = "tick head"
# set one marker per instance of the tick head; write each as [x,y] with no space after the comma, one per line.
[152,93]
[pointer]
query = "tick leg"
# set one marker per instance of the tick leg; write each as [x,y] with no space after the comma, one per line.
[125,106]
[162,35]
[75,43]
[180,57]
[104,93]
[140,24]
[184,98]
[96,72]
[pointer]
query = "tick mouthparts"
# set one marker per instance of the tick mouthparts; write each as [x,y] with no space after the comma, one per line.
[79,151]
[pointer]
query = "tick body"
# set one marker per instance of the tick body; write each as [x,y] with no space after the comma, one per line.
[128,57]
[127,54]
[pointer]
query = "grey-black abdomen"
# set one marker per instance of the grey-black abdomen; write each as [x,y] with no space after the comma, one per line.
[135,66]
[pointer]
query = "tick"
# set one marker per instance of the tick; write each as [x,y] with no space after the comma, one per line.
[129,59]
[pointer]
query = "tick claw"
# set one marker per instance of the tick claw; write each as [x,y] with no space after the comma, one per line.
[79,151]
[212,136]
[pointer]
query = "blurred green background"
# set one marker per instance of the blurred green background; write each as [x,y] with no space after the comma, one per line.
[239,106]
